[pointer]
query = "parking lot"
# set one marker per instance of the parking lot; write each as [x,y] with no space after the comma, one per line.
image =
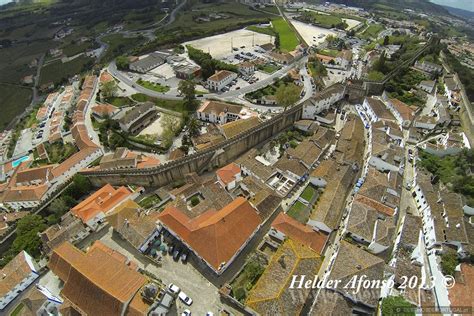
[204,294]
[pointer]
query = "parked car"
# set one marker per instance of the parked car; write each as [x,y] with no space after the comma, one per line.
[186,312]
[173,288]
[184,257]
[170,249]
[186,299]
[176,254]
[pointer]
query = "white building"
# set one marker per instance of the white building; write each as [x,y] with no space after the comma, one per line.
[229,176]
[220,79]
[16,277]
[323,101]
[220,112]
[247,68]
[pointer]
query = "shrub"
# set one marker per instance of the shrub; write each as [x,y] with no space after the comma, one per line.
[239,293]
[194,201]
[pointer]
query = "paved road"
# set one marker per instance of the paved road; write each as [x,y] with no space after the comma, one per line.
[234,95]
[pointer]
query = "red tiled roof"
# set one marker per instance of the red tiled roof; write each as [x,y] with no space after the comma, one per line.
[216,236]
[103,200]
[103,109]
[99,282]
[300,232]
[228,173]
[375,205]
[13,273]
[461,293]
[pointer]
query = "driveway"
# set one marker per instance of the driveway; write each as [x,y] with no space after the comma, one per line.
[204,294]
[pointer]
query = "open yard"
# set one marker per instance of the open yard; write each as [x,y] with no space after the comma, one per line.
[246,279]
[221,45]
[149,201]
[323,20]
[372,31]
[300,212]
[312,34]
[268,68]
[173,105]
[288,38]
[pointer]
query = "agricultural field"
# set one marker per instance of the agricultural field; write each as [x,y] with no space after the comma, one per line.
[74,48]
[58,72]
[14,100]
[190,25]
[142,20]
[287,35]
[118,45]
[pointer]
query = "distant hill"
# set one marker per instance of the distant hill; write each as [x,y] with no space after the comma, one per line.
[469,15]
[420,5]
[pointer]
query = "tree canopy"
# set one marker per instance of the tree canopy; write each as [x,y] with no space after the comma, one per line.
[287,95]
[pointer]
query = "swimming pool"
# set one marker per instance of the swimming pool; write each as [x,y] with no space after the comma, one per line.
[17,162]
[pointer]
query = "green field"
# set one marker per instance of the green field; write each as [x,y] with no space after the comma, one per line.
[268,68]
[329,52]
[308,193]
[288,38]
[300,212]
[119,101]
[263,30]
[324,20]
[173,105]
[372,31]
[58,72]
[13,100]
[149,201]
[153,86]
[72,49]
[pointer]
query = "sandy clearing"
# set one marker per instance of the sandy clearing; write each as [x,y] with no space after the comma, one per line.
[311,33]
[220,46]
[351,23]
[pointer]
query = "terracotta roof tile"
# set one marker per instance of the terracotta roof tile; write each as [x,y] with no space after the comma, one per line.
[103,200]
[216,236]
[99,282]
[300,232]
[228,173]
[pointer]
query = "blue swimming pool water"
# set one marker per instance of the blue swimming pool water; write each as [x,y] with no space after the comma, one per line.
[17,162]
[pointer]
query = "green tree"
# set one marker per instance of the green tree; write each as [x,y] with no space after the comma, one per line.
[277,41]
[287,95]
[449,262]
[109,89]
[122,63]
[396,305]
[282,139]
[116,140]
[58,208]
[27,235]
[187,89]
[193,126]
